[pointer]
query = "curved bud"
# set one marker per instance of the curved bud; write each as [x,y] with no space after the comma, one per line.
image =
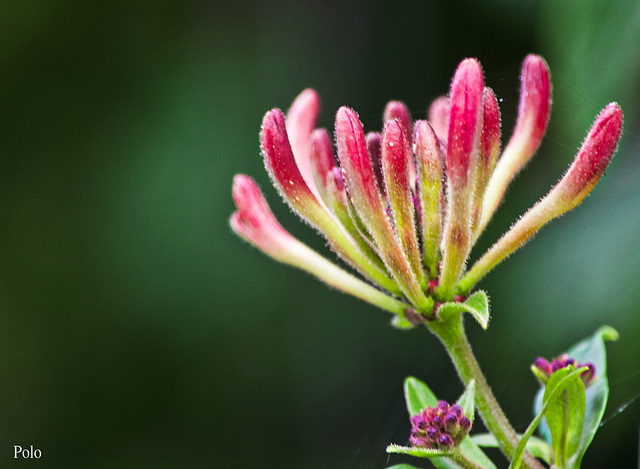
[254,222]
[465,123]
[489,152]
[429,164]
[533,115]
[286,177]
[438,116]
[361,182]
[301,120]
[396,158]
[583,174]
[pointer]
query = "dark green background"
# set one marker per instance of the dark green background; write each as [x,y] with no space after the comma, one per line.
[137,331]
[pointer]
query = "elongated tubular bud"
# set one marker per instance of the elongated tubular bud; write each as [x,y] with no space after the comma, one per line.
[322,162]
[438,115]
[301,120]
[465,124]
[374,147]
[399,110]
[396,161]
[489,152]
[330,184]
[581,177]
[366,199]
[286,177]
[255,223]
[533,115]
[429,165]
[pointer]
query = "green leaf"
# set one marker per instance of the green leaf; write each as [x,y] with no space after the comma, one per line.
[590,350]
[565,415]
[556,389]
[536,446]
[477,304]
[418,396]
[467,400]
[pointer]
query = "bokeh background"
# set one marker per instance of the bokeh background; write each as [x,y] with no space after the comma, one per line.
[137,331]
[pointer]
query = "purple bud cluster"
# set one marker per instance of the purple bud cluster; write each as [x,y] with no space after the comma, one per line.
[544,369]
[441,427]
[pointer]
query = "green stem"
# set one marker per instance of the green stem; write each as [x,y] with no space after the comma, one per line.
[451,333]
[463,461]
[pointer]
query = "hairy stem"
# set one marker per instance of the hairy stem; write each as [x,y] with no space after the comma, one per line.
[451,333]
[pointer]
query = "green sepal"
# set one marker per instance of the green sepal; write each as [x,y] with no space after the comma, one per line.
[556,389]
[477,305]
[537,447]
[417,451]
[467,400]
[401,322]
[590,350]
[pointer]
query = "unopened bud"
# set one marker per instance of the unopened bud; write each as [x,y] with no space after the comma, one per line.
[533,115]
[465,124]
[581,177]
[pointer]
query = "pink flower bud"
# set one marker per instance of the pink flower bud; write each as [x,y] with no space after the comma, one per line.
[429,166]
[533,115]
[398,110]
[254,222]
[374,146]
[396,161]
[286,177]
[301,120]
[581,177]
[592,159]
[462,153]
[438,116]
[465,123]
[361,182]
[281,164]
[489,152]
[322,162]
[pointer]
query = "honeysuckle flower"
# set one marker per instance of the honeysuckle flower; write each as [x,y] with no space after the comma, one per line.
[403,207]
[543,369]
[441,427]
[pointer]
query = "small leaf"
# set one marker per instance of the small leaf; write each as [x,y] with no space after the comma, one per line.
[477,305]
[536,446]
[565,415]
[556,389]
[417,451]
[402,466]
[467,400]
[418,396]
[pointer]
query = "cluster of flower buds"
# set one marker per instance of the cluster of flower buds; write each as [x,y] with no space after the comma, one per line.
[543,370]
[403,207]
[441,427]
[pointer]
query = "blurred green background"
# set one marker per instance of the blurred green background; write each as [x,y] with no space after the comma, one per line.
[137,331]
